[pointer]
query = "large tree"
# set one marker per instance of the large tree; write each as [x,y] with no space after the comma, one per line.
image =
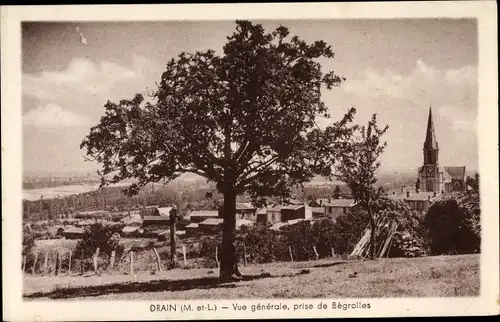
[245,119]
[358,169]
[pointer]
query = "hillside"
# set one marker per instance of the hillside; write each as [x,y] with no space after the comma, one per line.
[439,276]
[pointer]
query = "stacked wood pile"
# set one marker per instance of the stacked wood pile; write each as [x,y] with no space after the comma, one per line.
[385,230]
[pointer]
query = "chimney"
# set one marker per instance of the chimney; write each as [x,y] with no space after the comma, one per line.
[321,202]
[408,194]
[329,199]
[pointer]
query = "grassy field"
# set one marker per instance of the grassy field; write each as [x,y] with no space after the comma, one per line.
[438,276]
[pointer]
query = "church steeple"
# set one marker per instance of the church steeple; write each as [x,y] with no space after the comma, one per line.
[430,137]
[431,148]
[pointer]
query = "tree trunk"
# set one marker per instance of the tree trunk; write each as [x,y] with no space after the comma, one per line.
[229,264]
[372,233]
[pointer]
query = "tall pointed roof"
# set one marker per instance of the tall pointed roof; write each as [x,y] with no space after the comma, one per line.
[430,137]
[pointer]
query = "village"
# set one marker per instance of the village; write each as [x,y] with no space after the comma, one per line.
[153,222]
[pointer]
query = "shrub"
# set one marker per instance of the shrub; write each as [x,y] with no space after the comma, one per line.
[28,242]
[107,238]
[453,222]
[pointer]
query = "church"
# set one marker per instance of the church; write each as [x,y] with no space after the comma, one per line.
[431,176]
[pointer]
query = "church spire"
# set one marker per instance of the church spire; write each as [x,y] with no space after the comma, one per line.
[430,137]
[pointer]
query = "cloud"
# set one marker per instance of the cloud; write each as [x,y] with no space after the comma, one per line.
[81,76]
[424,82]
[51,116]
[460,120]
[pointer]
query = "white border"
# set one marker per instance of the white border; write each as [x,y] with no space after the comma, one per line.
[484,11]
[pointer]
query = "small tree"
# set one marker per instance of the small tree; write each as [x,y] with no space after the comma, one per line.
[97,235]
[358,167]
[473,182]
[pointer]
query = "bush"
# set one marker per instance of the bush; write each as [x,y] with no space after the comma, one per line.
[453,222]
[28,242]
[107,238]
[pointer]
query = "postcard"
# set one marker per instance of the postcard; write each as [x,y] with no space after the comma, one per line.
[250,161]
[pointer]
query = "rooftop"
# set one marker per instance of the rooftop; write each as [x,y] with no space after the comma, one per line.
[457,173]
[156,218]
[339,203]
[204,213]
[212,221]
[164,211]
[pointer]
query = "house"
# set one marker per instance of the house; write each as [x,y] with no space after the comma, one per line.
[262,215]
[132,220]
[162,211]
[418,202]
[191,229]
[153,233]
[318,212]
[295,202]
[291,212]
[163,235]
[273,215]
[243,222]
[180,234]
[130,231]
[197,216]
[156,221]
[85,223]
[69,221]
[148,211]
[73,233]
[210,226]
[244,210]
[336,207]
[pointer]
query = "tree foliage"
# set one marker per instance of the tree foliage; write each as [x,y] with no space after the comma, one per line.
[97,235]
[453,222]
[245,120]
[359,166]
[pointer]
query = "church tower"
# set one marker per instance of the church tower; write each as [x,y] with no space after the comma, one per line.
[428,179]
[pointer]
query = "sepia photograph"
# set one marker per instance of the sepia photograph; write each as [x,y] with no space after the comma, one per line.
[251,159]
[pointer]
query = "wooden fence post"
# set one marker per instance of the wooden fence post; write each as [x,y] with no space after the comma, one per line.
[131,262]
[57,264]
[290,251]
[244,255]
[81,263]
[46,261]
[69,264]
[184,255]
[316,252]
[112,261]
[24,262]
[217,256]
[60,264]
[333,253]
[96,256]
[158,262]
[33,269]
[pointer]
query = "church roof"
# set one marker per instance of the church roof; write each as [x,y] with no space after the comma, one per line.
[456,173]
[430,136]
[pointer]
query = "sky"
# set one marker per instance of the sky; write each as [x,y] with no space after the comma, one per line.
[394,68]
